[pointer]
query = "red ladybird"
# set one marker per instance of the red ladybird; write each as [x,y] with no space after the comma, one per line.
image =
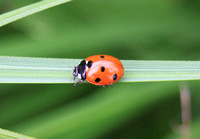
[99,70]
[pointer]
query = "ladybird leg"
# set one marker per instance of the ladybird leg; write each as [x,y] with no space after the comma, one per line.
[111,85]
[76,83]
[79,81]
[97,85]
[105,86]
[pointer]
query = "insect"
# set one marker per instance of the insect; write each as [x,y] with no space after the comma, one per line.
[100,70]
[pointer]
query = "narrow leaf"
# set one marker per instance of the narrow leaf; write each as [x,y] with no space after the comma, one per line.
[50,70]
[28,10]
[5,134]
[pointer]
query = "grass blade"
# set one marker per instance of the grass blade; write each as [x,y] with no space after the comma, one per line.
[5,134]
[28,10]
[80,119]
[50,70]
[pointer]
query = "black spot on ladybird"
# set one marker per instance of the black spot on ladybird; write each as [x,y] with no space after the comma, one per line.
[102,56]
[114,76]
[102,69]
[89,64]
[97,80]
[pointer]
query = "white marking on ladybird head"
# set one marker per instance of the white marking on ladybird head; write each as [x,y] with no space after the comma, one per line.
[79,76]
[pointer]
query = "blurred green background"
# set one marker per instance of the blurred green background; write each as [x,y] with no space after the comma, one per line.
[137,30]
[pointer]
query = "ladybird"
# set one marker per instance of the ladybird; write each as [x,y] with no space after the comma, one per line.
[100,70]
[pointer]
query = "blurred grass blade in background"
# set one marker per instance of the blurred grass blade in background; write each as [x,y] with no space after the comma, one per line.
[49,70]
[108,108]
[28,10]
[194,131]
[5,134]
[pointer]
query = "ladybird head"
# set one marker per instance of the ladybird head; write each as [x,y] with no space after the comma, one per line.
[80,71]
[75,72]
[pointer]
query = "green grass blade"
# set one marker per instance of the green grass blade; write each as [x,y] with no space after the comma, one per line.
[28,10]
[108,108]
[5,134]
[49,70]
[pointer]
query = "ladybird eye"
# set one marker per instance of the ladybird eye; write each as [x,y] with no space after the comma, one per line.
[114,76]
[102,69]
[102,56]
[89,64]
[97,80]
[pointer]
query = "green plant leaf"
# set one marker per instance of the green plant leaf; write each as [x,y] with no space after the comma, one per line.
[108,108]
[5,134]
[28,10]
[49,70]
